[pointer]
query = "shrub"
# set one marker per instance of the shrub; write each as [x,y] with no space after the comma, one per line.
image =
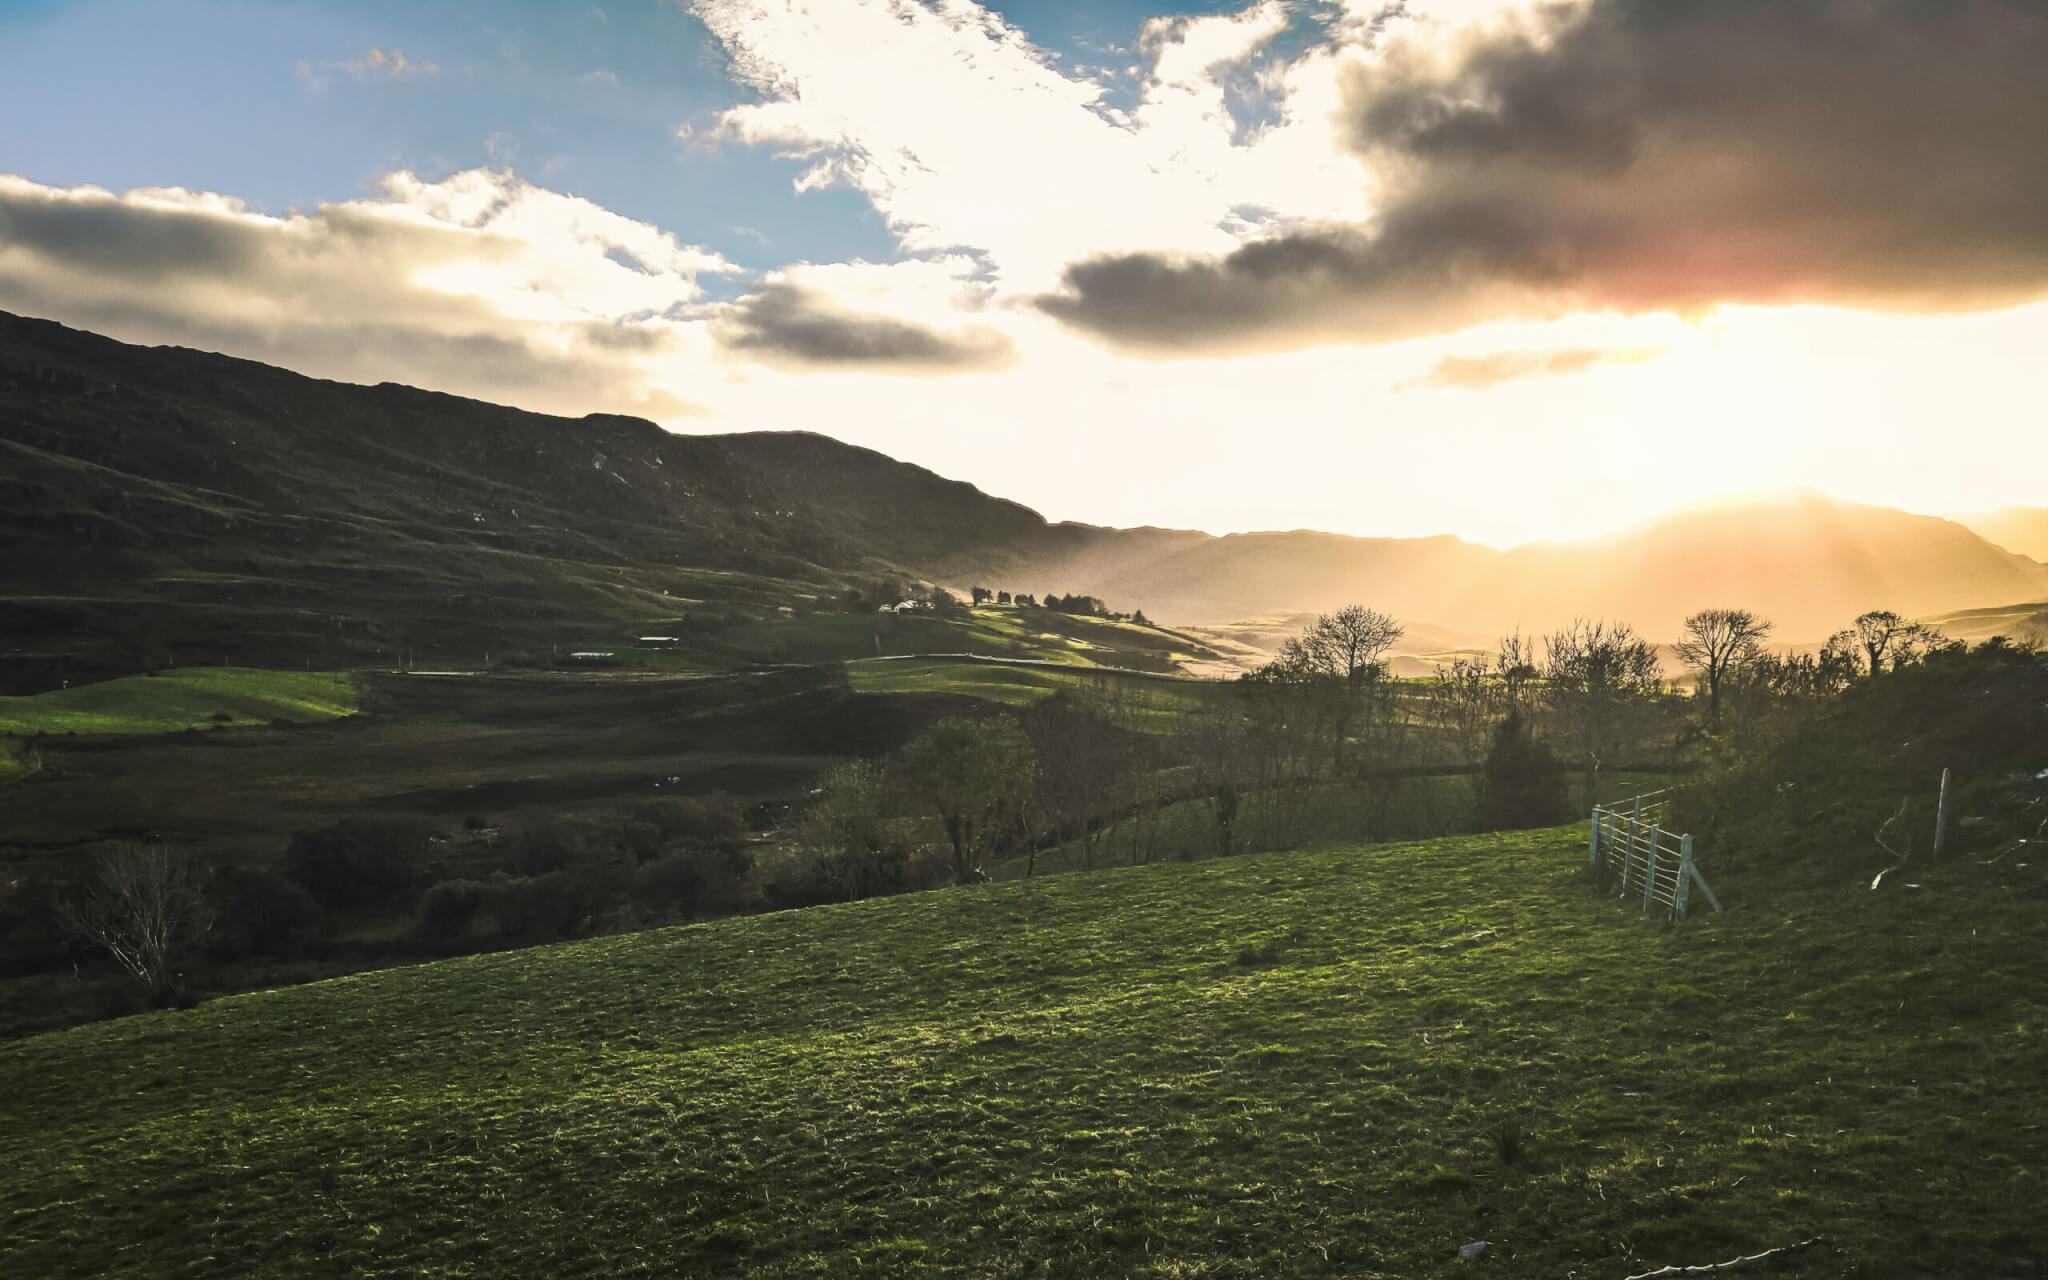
[359,863]
[1521,784]
[692,880]
[709,822]
[448,909]
[259,912]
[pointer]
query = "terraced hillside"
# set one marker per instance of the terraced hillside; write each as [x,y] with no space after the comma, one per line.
[1346,1063]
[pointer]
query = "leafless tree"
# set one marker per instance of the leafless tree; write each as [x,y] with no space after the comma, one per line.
[1345,651]
[1882,636]
[1466,700]
[1601,678]
[1718,641]
[1519,672]
[1077,762]
[146,908]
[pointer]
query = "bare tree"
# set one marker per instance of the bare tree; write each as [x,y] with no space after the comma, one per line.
[1718,641]
[1466,700]
[1346,651]
[1078,760]
[1519,672]
[1350,643]
[145,907]
[976,774]
[1600,677]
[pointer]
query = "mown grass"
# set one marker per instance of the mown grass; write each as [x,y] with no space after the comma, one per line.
[1334,1064]
[192,698]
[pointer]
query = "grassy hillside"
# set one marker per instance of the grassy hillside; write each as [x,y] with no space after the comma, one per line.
[159,502]
[446,747]
[2025,623]
[192,698]
[1342,1063]
[992,631]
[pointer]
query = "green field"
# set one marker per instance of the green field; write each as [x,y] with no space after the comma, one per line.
[1334,1064]
[1159,702]
[192,698]
[991,631]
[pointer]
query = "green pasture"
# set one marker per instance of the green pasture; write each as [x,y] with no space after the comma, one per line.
[189,698]
[1347,1063]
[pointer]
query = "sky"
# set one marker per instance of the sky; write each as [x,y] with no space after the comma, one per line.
[1508,270]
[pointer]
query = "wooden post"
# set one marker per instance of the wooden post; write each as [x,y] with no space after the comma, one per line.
[1941,819]
[1650,870]
[1678,902]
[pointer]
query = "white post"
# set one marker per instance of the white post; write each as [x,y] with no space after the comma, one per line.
[1635,838]
[1941,819]
[1593,842]
[1650,870]
[1684,876]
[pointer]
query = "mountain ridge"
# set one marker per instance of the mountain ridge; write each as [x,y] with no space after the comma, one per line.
[160,504]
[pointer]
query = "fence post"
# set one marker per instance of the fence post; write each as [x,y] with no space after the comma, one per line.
[1684,893]
[1940,819]
[1635,838]
[1650,869]
[1593,842]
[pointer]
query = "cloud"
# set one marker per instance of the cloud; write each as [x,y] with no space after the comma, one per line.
[919,316]
[377,64]
[965,134]
[787,324]
[1476,373]
[1640,155]
[480,284]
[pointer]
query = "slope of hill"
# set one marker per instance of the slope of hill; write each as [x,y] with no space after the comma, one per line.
[157,502]
[1299,1065]
[2025,623]
[2023,530]
[1808,561]
[161,504]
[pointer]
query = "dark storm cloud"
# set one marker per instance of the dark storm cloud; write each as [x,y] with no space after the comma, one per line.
[1647,154]
[786,323]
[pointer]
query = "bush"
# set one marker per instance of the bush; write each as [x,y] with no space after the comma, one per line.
[1522,783]
[448,909]
[563,841]
[708,822]
[259,912]
[561,904]
[692,881]
[359,863]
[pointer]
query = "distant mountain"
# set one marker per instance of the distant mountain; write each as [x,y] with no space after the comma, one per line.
[2022,530]
[159,504]
[1808,561]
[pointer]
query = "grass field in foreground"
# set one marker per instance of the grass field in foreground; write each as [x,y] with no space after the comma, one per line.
[191,698]
[1338,1064]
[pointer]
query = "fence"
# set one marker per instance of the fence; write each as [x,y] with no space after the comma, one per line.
[1630,840]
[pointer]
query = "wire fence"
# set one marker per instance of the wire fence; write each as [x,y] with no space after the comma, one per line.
[1630,843]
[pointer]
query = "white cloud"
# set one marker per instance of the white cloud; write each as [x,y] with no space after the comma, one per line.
[966,135]
[480,283]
